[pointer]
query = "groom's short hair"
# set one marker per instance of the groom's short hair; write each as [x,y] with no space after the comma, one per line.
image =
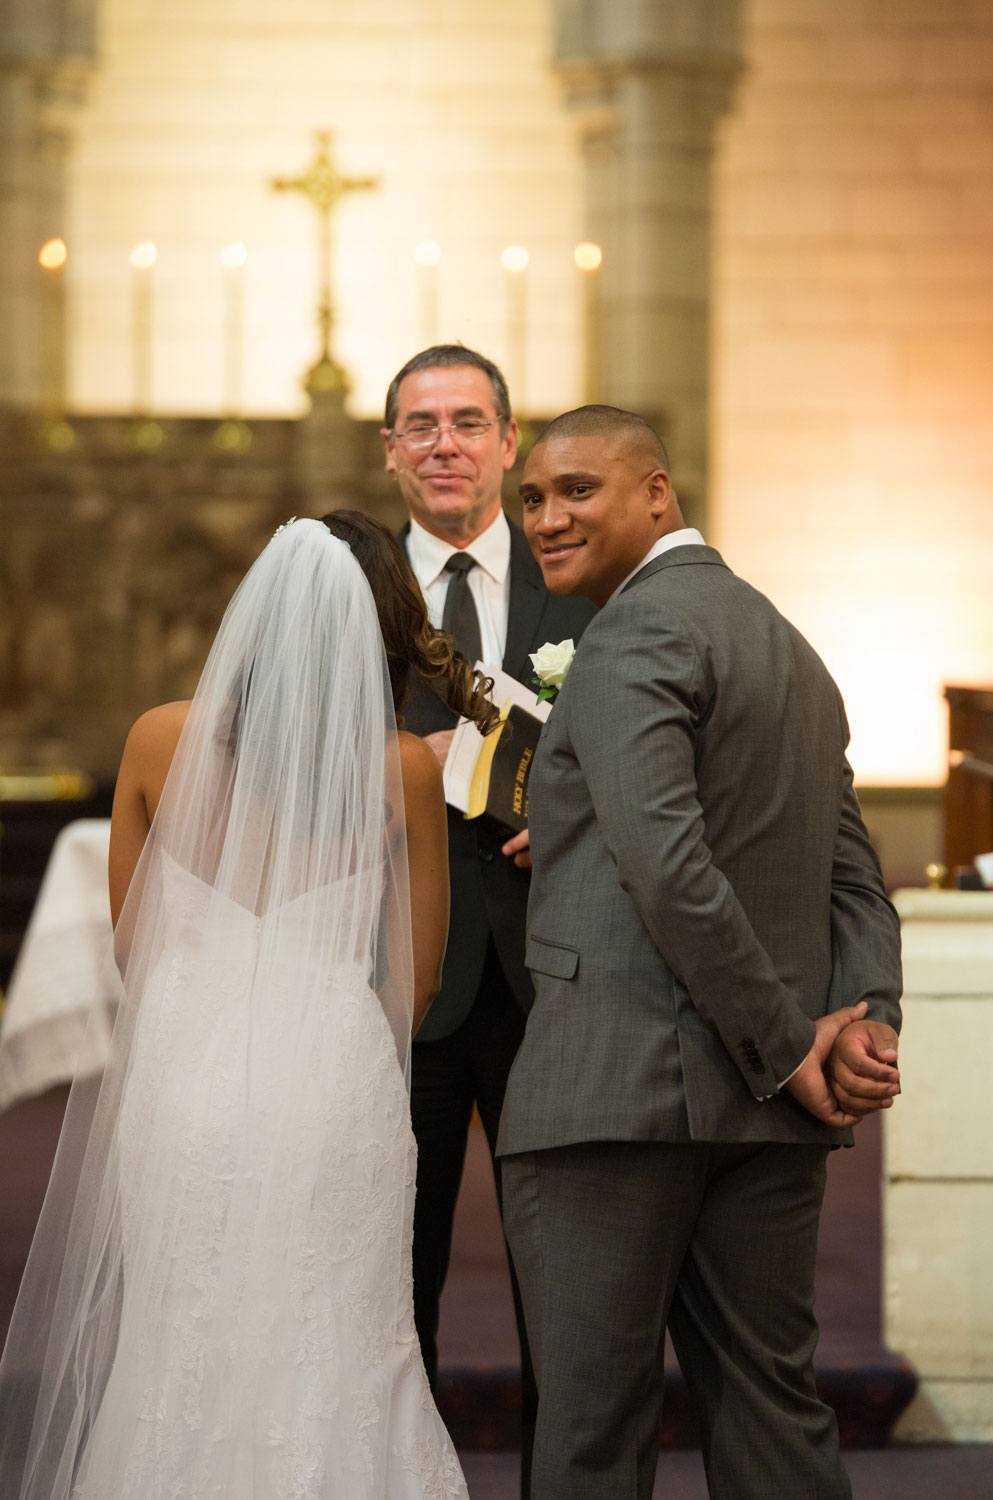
[607,422]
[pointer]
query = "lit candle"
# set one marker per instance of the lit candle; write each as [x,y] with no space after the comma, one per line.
[515,263]
[588,258]
[143,258]
[233,258]
[52,258]
[428,258]
[232,435]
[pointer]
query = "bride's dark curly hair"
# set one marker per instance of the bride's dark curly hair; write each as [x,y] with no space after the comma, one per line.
[409,637]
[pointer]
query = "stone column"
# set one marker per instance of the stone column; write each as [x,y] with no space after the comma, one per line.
[46,57]
[648,83]
[938,1172]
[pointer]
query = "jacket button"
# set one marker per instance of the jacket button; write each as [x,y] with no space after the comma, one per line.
[486,855]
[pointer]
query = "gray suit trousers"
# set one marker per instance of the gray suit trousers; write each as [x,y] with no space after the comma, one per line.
[615,1240]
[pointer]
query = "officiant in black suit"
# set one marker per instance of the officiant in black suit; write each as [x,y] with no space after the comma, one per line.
[450,437]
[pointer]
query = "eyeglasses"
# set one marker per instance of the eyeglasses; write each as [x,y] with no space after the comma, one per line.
[421,435]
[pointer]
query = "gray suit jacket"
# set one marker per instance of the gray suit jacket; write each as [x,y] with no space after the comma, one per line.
[703,883]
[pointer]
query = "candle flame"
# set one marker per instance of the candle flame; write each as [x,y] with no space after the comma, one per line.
[234,255]
[144,256]
[427,253]
[53,255]
[514,258]
[588,256]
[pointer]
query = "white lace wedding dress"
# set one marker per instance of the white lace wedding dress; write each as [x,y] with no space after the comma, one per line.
[266,1346]
[218,1304]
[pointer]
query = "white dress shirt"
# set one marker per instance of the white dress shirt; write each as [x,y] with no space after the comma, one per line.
[686,536]
[489,582]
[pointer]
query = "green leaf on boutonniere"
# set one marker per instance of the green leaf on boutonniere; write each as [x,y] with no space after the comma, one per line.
[548,695]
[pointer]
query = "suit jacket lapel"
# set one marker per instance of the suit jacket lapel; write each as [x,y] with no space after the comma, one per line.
[527,600]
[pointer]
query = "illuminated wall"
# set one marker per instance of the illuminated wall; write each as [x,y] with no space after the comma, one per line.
[853,341]
[197,103]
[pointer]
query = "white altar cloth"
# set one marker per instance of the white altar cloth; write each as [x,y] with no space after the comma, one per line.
[63,992]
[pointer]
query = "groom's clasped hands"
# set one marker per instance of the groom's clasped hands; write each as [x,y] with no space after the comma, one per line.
[850,1071]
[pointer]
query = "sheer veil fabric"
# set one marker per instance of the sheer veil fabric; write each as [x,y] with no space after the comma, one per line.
[217,1302]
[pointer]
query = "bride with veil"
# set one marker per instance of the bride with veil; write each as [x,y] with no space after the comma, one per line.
[218,1299]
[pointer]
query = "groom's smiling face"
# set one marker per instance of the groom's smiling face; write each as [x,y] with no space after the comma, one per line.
[593,506]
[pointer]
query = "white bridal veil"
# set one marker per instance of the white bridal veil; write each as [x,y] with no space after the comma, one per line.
[222,1206]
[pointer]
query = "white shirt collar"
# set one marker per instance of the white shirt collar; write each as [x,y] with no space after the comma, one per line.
[686,536]
[429,553]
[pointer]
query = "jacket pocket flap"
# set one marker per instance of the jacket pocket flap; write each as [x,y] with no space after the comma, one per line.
[551,958]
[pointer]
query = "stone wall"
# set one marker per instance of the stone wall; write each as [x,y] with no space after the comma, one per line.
[117,565]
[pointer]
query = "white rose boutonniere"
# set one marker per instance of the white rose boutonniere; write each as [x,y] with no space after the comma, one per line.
[551,667]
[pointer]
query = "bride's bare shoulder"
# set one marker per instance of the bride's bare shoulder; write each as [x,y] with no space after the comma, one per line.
[144,767]
[152,742]
[159,728]
[419,766]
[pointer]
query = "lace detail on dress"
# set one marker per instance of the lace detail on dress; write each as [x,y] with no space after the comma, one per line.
[266,1348]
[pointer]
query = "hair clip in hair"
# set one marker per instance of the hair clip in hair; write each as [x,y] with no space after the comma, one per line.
[283,527]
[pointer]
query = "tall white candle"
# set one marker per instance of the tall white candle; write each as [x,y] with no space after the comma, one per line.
[427,256]
[52,258]
[233,258]
[515,265]
[588,258]
[143,258]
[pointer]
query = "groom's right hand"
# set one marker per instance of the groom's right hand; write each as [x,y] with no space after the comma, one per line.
[809,1085]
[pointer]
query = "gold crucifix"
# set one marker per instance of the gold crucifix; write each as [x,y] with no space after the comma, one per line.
[323,184]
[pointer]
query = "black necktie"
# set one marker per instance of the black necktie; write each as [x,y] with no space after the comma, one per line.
[460,618]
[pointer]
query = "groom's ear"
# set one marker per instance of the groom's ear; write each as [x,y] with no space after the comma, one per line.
[391,463]
[660,493]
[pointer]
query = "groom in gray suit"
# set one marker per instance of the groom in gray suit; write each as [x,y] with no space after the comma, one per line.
[717,979]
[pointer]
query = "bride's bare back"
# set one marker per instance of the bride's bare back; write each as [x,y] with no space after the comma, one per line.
[145,765]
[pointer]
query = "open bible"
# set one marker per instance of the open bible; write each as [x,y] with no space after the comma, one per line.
[488,777]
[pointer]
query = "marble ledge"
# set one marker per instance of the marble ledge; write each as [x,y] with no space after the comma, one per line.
[944,906]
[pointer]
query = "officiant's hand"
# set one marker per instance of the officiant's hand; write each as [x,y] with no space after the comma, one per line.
[862,1067]
[441,743]
[520,847]
[808,1085]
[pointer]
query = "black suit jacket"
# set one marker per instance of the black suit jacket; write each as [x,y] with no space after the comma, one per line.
[489,892]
